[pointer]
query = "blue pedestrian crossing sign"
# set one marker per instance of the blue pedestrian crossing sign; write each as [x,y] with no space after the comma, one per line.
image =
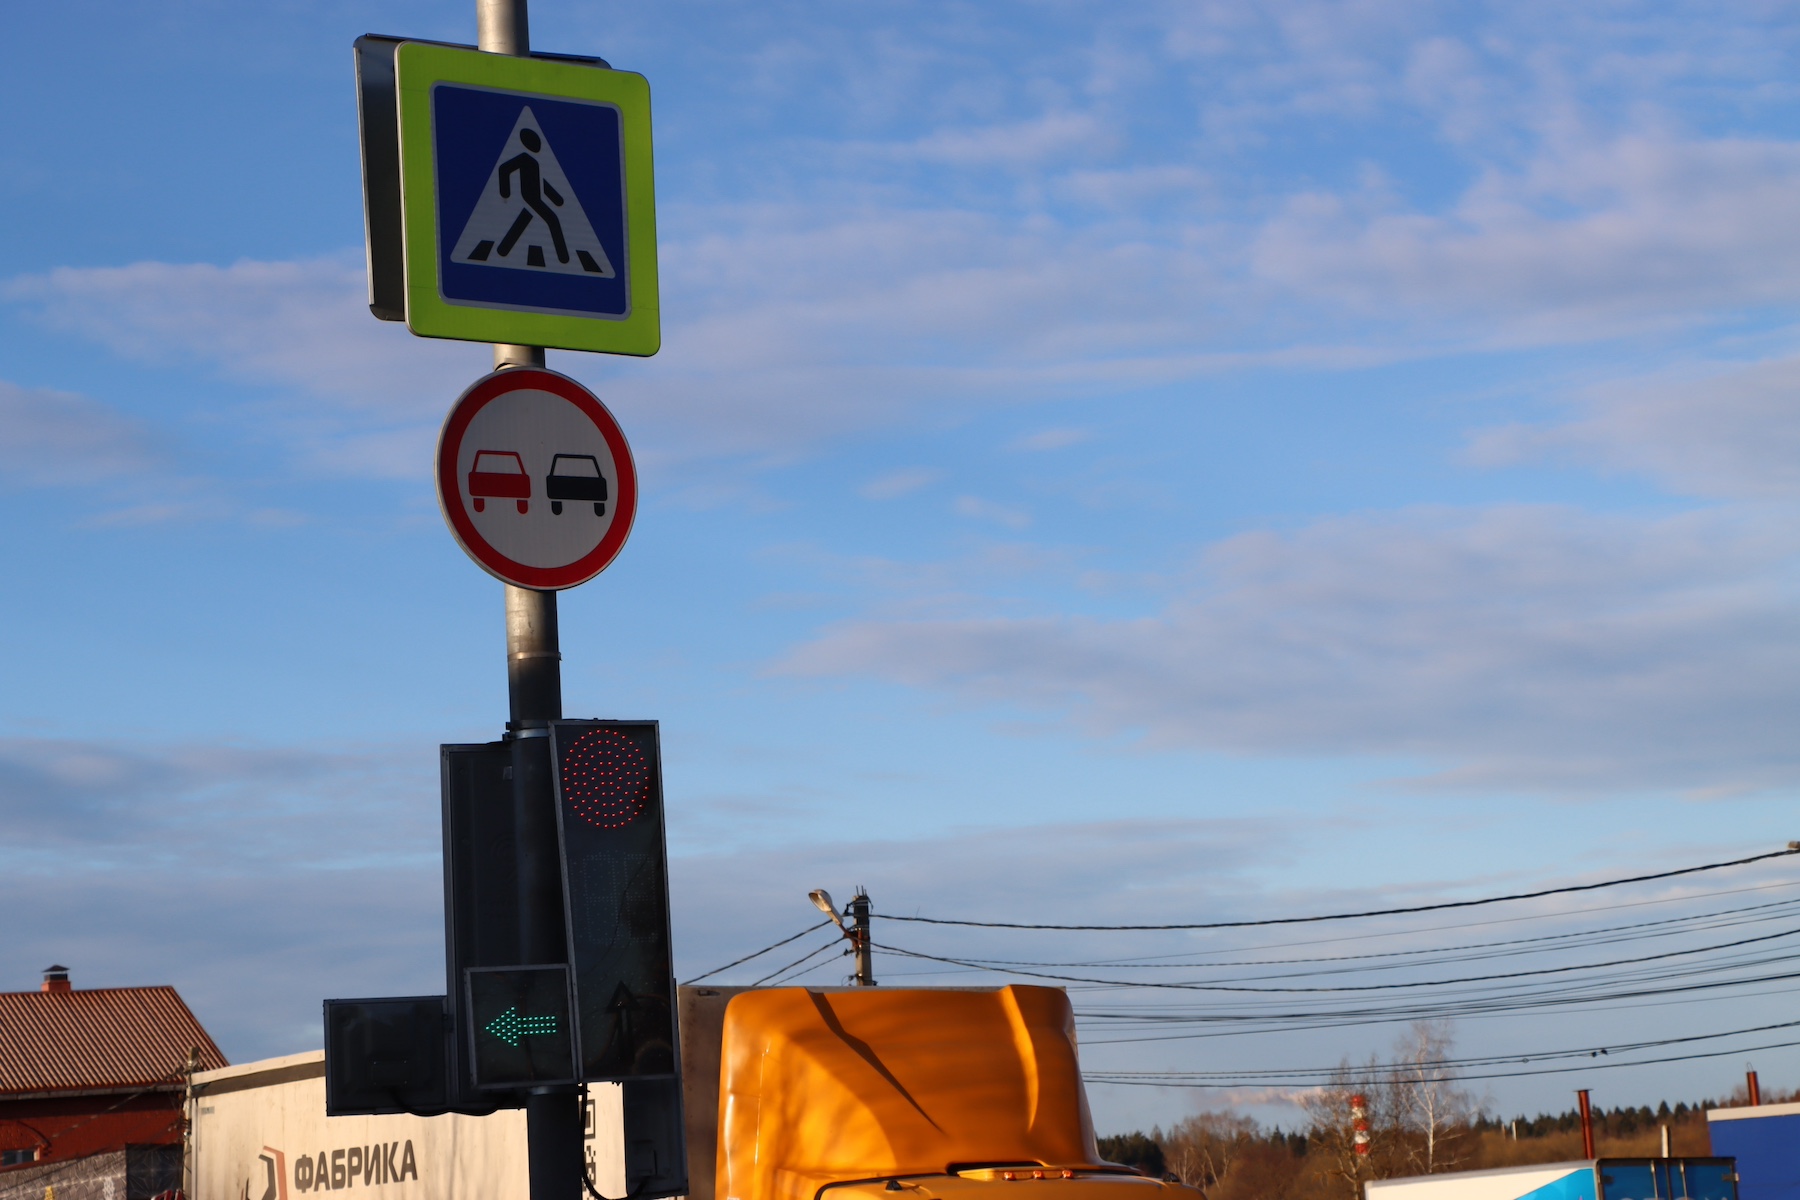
[527,199]
[528,217]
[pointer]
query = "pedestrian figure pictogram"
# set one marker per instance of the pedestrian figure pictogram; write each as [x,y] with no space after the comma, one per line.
[529,216]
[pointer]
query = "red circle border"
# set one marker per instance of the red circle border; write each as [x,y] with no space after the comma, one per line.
[462,527]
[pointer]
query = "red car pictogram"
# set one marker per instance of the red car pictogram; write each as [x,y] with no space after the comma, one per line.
[503,478]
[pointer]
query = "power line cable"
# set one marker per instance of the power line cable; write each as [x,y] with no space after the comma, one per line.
[802,972]
[1156,960]
[1247,1026]
[1338,939]
[1504,1005]
[1792,848]
[776,946]
[1508,947]
[803,958]
[1105,1077]
[1231,986]
[1481,1060]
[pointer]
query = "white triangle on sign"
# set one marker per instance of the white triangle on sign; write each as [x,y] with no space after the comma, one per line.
[528,216]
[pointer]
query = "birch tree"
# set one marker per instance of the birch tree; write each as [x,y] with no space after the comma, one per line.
[1429,1106]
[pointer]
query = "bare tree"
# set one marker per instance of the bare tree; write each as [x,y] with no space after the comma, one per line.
[1331,1124]
[1430,1109]
[1202,1149]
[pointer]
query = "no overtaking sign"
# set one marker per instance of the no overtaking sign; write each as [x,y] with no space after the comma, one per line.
[535,479]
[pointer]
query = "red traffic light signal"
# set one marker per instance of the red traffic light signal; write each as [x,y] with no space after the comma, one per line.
[609,814]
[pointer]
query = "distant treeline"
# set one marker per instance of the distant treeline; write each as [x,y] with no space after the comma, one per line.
[1418,1121]
[1616,1122]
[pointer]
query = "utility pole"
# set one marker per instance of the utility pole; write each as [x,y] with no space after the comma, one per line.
[534,699]
[859,939]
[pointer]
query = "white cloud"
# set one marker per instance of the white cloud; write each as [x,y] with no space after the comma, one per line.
[793,324]
[143,801]
[1525,646]
[1589,240]
[1051,136]
[256,879]
[373,393]
[50,438]
[788,325]
[1706,431]
[298,324]
[1128,190]
[772,344]
[983,509]
[1053,439]
[899,483]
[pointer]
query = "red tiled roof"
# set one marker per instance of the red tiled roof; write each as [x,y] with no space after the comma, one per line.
[97,1038]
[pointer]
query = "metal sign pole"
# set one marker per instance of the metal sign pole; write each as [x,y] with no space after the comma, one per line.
[429,113]
[534,693]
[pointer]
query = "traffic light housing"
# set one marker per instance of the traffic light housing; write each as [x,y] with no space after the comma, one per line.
[609,813]
[386,1055]
[481,891]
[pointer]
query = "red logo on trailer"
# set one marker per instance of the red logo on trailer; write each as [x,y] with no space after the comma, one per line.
[520,430]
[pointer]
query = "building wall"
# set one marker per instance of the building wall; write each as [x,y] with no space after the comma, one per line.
[133,1173]
[65,1127]
[261,1133]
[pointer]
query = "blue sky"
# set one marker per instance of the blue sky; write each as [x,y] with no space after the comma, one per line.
[1204,459]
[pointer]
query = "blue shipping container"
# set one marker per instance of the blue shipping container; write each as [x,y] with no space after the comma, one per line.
[1766,1143]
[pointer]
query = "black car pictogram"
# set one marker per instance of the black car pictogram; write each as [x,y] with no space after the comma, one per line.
[575,477]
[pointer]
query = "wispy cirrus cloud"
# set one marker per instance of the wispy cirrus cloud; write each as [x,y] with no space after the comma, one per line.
[1590,240]
[1727,431]
[373,393]
[774,348]
[895,484]
[51,438]
[301,324]
[258,879]
[1522,647]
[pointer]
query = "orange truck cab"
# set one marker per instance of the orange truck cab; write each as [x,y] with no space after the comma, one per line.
[892,1094]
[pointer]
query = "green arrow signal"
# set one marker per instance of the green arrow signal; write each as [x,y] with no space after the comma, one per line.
[509,1026]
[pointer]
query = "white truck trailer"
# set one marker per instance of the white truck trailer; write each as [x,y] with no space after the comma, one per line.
[260,1132]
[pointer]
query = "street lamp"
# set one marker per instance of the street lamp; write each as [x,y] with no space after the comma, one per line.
[822,901]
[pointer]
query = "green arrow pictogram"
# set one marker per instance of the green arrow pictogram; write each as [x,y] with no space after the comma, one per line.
[509,1026]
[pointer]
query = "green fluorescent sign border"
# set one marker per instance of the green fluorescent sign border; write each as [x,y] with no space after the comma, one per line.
[417,67]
